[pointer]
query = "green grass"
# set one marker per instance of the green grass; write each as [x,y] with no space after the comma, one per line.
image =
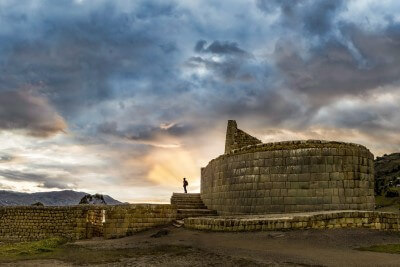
[388,248]
[28,249]
[59,249]
[384,201]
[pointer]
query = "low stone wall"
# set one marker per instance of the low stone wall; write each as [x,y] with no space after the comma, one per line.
[124,220]
[311,220]
[33,223]
[24,223]
[292,176]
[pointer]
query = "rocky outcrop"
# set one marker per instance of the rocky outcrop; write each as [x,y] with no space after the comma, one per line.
[95,199]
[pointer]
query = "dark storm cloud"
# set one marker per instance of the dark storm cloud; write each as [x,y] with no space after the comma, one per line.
[228,69]
[127,76]
[24,111]
[218,47]
[6,158]
[44,180]
[319,15]
[232,66]
[83,61]
[151,9]
[347,60]
[332,71]
[77,57]
[145,132]
[314,17]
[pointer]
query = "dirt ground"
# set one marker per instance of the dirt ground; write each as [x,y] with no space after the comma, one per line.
[183,247]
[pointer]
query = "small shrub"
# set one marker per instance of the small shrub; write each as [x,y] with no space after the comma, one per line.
[391,192]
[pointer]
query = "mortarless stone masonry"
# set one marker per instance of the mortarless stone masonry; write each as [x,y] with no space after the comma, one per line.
[37,222]
[334,178]
[310,220]
[236,138]
[124,220]
[23,223]
[285,177]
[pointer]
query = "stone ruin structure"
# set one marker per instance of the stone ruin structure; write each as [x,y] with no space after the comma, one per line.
[331,183]
[285,177]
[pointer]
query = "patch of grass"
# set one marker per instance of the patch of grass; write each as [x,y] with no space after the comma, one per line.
[85,255]
[27,249]
[388,248]
[384,201]
[58,249]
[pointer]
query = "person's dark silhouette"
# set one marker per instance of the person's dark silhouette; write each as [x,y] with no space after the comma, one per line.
[185,183]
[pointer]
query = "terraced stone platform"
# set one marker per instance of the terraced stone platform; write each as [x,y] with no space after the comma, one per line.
[307,220]
[190,205]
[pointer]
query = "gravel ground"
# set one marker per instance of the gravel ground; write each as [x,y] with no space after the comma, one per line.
[183,247]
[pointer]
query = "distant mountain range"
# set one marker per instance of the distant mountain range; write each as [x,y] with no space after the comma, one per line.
[54,198]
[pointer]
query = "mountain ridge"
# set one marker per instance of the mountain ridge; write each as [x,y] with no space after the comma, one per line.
[52,198]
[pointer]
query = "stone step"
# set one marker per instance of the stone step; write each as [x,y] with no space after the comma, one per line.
[188,206]
[186,213]
[179,197]
[184,216]
[185,196]
[186,201]
[196,205]
[194,211]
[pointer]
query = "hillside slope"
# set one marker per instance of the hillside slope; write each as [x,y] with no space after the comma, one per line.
[387,172]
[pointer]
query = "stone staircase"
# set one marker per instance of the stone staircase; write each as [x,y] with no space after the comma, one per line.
[190,205]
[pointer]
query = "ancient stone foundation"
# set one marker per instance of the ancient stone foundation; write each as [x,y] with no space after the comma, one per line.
[124,220]
[31,223]
[22,223]
[311,220]
[285,177]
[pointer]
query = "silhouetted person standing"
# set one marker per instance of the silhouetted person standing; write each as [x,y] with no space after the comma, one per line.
[185,183]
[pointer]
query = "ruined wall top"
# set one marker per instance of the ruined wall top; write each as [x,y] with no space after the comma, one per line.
[236,138]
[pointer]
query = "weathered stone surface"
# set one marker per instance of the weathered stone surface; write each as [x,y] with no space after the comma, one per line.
[20,223]
[293,176]
[315,220]
[236,138]
[124,220]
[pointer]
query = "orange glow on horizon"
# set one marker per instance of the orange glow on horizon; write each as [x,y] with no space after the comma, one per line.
[169,166]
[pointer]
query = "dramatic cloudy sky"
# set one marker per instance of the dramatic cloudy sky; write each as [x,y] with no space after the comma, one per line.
[127,97]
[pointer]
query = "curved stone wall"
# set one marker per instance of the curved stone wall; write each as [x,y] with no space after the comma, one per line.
[294,176]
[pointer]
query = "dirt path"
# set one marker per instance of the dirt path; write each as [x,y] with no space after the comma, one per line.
[292,248]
